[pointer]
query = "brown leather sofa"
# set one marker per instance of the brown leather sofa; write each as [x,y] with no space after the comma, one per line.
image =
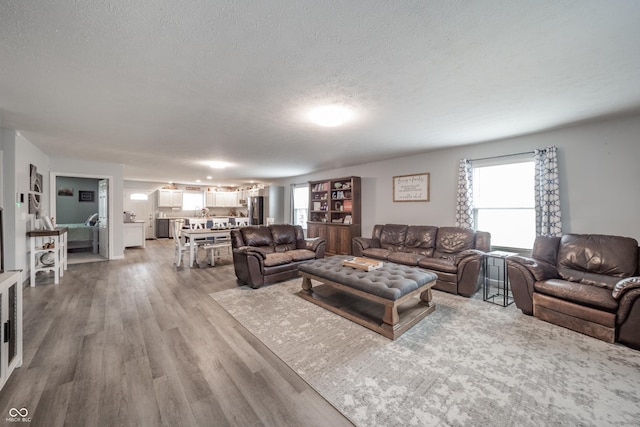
[585,282]
[453,253]
[263,255]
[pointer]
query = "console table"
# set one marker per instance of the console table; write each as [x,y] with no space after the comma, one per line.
[45,257]
[495,270]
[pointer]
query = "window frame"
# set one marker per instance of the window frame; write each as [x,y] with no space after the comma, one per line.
[299,187]
[196,207]
[498,161]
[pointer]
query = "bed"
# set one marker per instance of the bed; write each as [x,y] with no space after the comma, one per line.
[83,235]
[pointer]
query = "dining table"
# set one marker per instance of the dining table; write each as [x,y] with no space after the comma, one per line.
[193,236]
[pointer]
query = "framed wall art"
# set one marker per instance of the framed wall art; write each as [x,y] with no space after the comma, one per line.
[85,196]
[68,192]
[34,203]
[411,188]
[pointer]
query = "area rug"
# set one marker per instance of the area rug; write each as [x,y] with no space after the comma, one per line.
[468,363]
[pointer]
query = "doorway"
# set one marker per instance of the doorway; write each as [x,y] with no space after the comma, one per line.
[81,203]
[140,203]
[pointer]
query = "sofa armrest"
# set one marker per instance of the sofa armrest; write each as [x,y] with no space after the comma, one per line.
[523,273]
[469,265]
[625,285]
[359,244]
[629,310]
[540,270]
[467,254]
[317,245]
[313,243]
[247,250]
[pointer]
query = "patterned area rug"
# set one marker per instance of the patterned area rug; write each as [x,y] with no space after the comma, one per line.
[468,363]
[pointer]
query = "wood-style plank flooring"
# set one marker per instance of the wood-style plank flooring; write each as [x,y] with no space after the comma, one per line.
[137,342]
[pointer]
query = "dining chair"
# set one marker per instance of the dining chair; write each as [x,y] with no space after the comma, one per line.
[220,222]
[197,224]
[180,246]
[242,222]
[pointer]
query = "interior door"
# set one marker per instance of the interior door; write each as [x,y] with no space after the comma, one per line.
[143,208]
[103,217]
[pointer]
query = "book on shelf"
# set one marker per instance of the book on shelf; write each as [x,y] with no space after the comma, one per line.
[347,205]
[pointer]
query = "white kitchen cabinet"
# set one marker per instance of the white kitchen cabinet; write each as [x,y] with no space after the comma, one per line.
[226,199]
[11,321]
[169,198]
[134,234]
[210,199]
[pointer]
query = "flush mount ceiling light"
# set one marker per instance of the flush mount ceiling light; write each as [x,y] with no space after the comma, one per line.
[217,165]
[330,115]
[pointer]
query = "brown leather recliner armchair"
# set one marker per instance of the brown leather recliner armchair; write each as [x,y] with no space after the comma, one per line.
[589,283]
[264,255]
[453,253]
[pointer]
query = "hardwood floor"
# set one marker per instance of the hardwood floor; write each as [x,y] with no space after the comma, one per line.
[138,342]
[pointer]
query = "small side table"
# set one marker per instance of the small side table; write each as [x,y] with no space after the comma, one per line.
[38,238]
[495,270]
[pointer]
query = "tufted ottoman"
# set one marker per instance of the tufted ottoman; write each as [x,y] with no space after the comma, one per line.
[389,293]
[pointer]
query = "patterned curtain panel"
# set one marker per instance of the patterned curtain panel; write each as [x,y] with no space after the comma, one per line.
[547,204]
[464,207]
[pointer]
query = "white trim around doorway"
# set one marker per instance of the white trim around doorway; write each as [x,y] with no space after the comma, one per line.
[52,199]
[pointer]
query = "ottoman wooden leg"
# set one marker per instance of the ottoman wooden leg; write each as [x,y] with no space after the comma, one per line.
[426,298]
[390,316]
[306,286]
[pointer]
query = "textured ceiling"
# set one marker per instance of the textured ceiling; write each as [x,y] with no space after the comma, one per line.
[161,86]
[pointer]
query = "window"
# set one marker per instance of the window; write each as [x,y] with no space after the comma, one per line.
[138,196]
[504,203]
[300,205]
[192,202]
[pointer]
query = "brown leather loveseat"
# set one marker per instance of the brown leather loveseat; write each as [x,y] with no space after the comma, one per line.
[263,255]
[453,253]
[585,282]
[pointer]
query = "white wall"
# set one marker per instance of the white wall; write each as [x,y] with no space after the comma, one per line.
[18,155]
[599,174]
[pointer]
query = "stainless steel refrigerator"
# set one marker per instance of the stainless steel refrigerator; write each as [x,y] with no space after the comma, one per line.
[255,209]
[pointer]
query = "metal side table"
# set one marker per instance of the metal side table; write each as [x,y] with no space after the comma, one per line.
[496,278]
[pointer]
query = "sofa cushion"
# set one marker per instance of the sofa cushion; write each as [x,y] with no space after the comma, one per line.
[592,296]
[376,253]
[257,236]
[277,258]
[301,254]
[439,264]
[404,258]
[284,237]
[594,259]
[451,240]
[393,236]
[420,239]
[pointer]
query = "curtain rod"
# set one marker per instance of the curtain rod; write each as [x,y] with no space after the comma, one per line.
[504,155]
